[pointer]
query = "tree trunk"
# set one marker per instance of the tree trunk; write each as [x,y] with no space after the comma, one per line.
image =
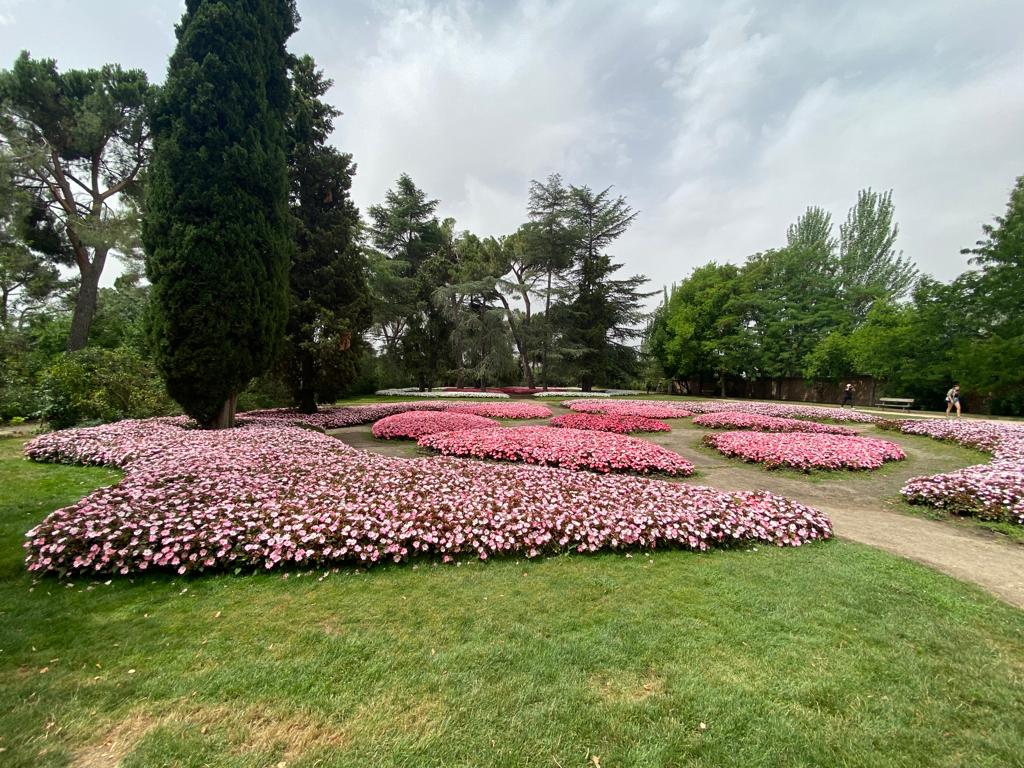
[85,302]
[307,392]
[547,334]
[517,336]
[226,418]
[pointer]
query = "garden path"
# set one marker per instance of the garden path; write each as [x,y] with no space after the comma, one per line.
[864,507]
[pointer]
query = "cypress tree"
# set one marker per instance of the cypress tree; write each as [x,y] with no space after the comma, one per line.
[217,228]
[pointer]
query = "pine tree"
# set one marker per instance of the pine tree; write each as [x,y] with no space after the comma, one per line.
[330,303]
[217,227]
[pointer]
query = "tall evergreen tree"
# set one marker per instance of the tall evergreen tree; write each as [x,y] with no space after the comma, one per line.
[601,313]
[330,303]
[218,227]
[550,246]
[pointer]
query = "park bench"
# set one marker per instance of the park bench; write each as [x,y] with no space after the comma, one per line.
[895,402]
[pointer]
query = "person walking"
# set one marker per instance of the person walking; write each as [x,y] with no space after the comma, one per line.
[953,400]
[848,396]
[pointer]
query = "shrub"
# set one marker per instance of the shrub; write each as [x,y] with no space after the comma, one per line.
[97,385]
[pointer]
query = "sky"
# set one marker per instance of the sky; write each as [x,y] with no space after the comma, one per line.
[720,122]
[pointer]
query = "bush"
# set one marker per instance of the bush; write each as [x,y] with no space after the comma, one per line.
[99,385]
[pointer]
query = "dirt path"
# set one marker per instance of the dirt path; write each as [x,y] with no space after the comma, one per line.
[864,506]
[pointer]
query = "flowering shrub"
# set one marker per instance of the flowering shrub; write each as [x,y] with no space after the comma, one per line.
[782,410]
[267,496]
[568,448]
[650,409]
[603,423]
[413,425]
[806,450]
[504,410]
[993,491]
[755,421]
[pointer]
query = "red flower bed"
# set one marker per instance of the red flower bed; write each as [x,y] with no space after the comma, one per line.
[650,409]
[755,421]
[603,423]
[270,496]
[568,448]
[805,450]
[413,425]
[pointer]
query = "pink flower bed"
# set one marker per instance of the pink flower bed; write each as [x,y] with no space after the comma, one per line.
[755,421]
[782,410]
[413,425]
[993,491]
[806,450]
[567,448]
[338,416]
[650,409]
[270,496]
[603,423]
[504,410]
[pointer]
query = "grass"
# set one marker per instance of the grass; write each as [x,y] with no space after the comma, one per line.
[828,655]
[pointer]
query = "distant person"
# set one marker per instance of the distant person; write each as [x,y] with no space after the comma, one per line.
[953,400]
[848,396]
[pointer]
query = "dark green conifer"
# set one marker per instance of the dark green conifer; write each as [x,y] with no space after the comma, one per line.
[217,229]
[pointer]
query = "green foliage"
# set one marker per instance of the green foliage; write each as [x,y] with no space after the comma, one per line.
[699,331]
[330,307]
[99,385]
[217,231]
[600,313]
[869,267]
[79,141]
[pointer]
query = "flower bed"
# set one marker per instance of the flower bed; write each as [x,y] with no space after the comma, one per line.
[413,392]
[412,425]
[567,448]
[759,423]
[806,450]
[782,410]
[650,409]
[504,410]
[335,417]
[268,496]
[599,422]
[993,491]
[562,393]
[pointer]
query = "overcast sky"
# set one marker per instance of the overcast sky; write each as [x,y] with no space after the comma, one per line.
[719,121]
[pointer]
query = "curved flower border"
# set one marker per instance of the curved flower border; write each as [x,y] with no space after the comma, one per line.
[271,496]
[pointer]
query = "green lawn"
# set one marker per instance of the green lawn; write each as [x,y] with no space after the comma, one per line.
[833,654]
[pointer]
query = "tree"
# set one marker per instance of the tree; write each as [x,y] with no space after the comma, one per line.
[329,308]
[994,365]
[415,263]
[700,330]
[519,277]
[80,140]
[869,267]
[218,227]
[792,304]
[549,243]
[601,313]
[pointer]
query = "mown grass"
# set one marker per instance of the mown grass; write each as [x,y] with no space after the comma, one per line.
[833,654]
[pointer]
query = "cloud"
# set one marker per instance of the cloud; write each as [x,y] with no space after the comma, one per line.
[720,122]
